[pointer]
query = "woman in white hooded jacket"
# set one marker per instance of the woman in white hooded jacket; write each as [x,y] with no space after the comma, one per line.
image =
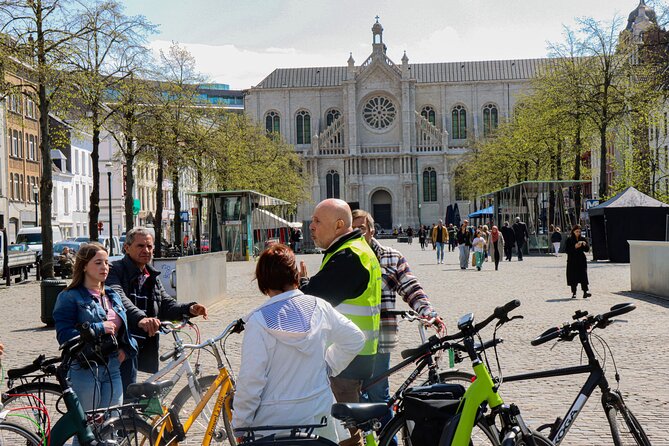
[292,344]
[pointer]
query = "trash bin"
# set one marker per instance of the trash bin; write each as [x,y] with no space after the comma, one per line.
[50,289]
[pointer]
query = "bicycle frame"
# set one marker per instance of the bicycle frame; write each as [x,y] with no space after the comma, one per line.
[595,379]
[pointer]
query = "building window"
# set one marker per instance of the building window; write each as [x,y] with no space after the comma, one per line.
[273,122]
[490,119]
[77,208]
[76,163]
[303,127]
[31,109]
[83,163]
[66,201]
[31,147]
[379,113]
[15,143]
[332,184]
[331,116]
[20,145]
[11,186]
[429,184]
[22,189]
[428,113]
[459,122]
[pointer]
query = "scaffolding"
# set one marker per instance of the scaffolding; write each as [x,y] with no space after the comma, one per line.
[539,204]
[242,222]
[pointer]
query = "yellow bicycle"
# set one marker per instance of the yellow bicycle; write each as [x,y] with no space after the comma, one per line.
[166,425]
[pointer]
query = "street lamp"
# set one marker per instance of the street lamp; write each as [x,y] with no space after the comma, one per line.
[111,230]
[35,194]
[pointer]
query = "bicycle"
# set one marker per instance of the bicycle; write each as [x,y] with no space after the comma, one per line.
[74,422]
[612,401]
[290,436]
[166,426]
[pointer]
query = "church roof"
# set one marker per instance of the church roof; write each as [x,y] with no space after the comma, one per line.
[425,73]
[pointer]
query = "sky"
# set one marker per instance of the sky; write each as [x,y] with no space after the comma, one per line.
[240,42]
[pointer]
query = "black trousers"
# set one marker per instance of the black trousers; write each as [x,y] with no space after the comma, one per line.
[497,256]
[584,287]
[520,245]
[508,251]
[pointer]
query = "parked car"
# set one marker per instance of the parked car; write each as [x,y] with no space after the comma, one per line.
[18,259]
[58,269]
[115,247]
[33,238]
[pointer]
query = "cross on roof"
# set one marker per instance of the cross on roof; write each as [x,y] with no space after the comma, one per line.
[377,18]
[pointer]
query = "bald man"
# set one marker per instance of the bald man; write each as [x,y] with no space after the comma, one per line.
[350,280]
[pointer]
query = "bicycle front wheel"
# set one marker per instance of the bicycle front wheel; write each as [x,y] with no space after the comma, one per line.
[402,429]
[128,431]
[24,398]
[625,428]
[452,376]
[184,405]
[12,434]
[537,438]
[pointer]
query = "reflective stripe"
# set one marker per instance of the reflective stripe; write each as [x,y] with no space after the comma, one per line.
[357,310]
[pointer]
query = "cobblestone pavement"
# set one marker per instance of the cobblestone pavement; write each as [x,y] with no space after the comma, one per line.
[639,343]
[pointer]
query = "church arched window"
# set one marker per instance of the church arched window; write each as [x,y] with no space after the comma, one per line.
[459,122]
[331,116]
[429,184]
[332,184]
[273,122]
[303,127]
[490,119]
[428,113]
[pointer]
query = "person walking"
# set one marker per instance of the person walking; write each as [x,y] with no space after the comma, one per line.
[97,379]
[397,279]
[410,235]
[485,233]
[452,237]
[496,246]
[434,246]
[464,245]
[292,344]
[479,245]
[521,235]
[440,238]
[577,264]
[145,300]
[509,240]
[349,279]
[422,232]
[556,239]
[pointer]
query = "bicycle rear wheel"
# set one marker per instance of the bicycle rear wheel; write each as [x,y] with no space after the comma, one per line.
[402,428]
[25,396]
[453,376]
[625,428]
[12,435]
[537,438]
[184,405]
[128,431]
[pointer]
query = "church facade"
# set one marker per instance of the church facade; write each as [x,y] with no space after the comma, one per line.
[388,137]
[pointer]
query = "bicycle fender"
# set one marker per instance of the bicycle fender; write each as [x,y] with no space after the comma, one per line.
[449,430]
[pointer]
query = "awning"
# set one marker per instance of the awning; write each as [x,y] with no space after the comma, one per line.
[264,219]
[483,212]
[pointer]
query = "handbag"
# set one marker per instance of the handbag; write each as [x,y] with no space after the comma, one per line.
[473,259]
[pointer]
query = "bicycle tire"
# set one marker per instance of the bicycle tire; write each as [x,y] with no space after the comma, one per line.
[452,376]
[128,430]
[224,434]
[481,434]
[317,441]
[50,393]
[625,428]
[12,434]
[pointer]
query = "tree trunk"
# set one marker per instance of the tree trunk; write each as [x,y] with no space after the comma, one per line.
[603,182]
[94,212]
[577,175]
[129,185]
[198,217]
[176,201]
[46,184]
[158,219]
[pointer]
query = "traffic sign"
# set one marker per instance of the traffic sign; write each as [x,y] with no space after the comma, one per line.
[136,206]
[183,216]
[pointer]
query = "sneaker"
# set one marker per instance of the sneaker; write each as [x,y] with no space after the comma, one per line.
[478,268]
[573,296]
[586,295]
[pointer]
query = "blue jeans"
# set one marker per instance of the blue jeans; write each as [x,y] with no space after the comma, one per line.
[440,252]
[379,392]
[129,372]
[464,256]
[98,386]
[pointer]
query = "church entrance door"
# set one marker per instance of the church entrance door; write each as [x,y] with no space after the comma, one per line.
[382,209]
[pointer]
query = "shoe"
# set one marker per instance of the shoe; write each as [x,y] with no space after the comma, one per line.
[573,296]
[586,295]
[462,267]
[478,268]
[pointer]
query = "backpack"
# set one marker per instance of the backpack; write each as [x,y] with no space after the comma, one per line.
[428,409]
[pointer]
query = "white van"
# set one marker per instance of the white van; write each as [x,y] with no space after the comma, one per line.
[33,237]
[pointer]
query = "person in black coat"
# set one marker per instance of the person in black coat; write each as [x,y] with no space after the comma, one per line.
[509,240]
[521,234]
[577,264]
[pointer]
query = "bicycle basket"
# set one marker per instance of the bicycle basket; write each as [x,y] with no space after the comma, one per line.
[430,408]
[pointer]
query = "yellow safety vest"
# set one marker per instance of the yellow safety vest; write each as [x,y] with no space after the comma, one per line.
[363,310]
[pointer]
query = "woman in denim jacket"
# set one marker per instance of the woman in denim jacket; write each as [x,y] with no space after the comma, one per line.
[86,299]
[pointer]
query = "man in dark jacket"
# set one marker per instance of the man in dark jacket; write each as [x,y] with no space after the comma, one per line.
[509,240]
[521,234]
[145,301]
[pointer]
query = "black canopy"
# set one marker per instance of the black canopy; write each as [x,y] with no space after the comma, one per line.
[629,215]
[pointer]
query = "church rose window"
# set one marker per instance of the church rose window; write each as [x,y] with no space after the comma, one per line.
[379,112]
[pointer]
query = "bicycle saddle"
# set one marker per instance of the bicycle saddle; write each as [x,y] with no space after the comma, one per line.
[148,389]
[359,412]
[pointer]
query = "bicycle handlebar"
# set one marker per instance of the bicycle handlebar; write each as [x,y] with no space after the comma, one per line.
[236,326]
[586,322]
[499,313]
[41,363]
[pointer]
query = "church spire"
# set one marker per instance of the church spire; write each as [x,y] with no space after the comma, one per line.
[377,37]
